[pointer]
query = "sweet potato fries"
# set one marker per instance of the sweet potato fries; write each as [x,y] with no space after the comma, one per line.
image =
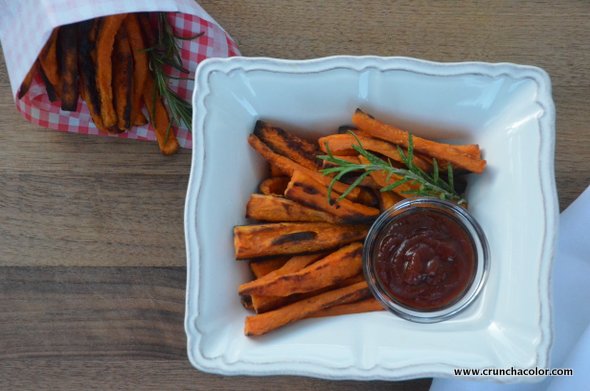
[105,62]
[305,247]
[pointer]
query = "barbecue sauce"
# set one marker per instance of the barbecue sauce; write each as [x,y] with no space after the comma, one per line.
[425,260]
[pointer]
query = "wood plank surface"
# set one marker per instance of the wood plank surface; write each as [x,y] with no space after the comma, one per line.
[87,328]
[91,228]
[97,313]
[161,375]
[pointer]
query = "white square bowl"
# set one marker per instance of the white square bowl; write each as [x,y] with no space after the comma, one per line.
[507,109]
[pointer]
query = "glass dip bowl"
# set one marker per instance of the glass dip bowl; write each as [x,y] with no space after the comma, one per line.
[426,259]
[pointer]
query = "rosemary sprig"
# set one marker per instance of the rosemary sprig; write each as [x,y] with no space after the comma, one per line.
[166,52]
[430,185]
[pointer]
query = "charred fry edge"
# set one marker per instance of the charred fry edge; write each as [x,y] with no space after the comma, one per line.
[289,145]
[260,240]
[122,79]
[86,46]
[272,208]
[269,321]
[104,69]
[48,61]
[140,67]
[289,166]
[68,64]
[306,191]
[51,95]
[332,269]
[274,185]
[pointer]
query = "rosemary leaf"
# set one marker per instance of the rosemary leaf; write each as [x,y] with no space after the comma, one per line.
[435,171]
[395,184]
[401,153]
[410,156]
[450,176]
[424,184]
[354,184]
[166,52]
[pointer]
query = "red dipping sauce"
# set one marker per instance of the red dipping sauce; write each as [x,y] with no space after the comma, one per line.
[424,259]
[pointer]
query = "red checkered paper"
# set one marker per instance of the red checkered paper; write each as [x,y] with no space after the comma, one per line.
[25,26]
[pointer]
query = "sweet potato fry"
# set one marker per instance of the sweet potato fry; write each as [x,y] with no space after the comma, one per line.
[157,111]
[469,149]
[334,268]
[26,84]
[247,302]
[147,29]
[51,94]
[381,179]
[287,144]
[261,268]
[140,67]
[368,197]
[275,171]
[68,66]
[289,166]
[342,144]
[350,178]
[343,129]
[122,79]
[397,136]
[93,37]
[274,185]
[366,305]
[305,190]
[93,31]
[272,208]
[159,117]
[264,323]
[387,199]
[260,240]
[262,304]
[49,62]
[104,71]
[87,67]
[293,264]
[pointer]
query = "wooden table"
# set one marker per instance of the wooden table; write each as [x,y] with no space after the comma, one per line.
[92,257]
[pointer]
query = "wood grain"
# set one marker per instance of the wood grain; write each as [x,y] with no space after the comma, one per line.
[106,219]
[87,206]
[113,328]
[158,375]
[82,312]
